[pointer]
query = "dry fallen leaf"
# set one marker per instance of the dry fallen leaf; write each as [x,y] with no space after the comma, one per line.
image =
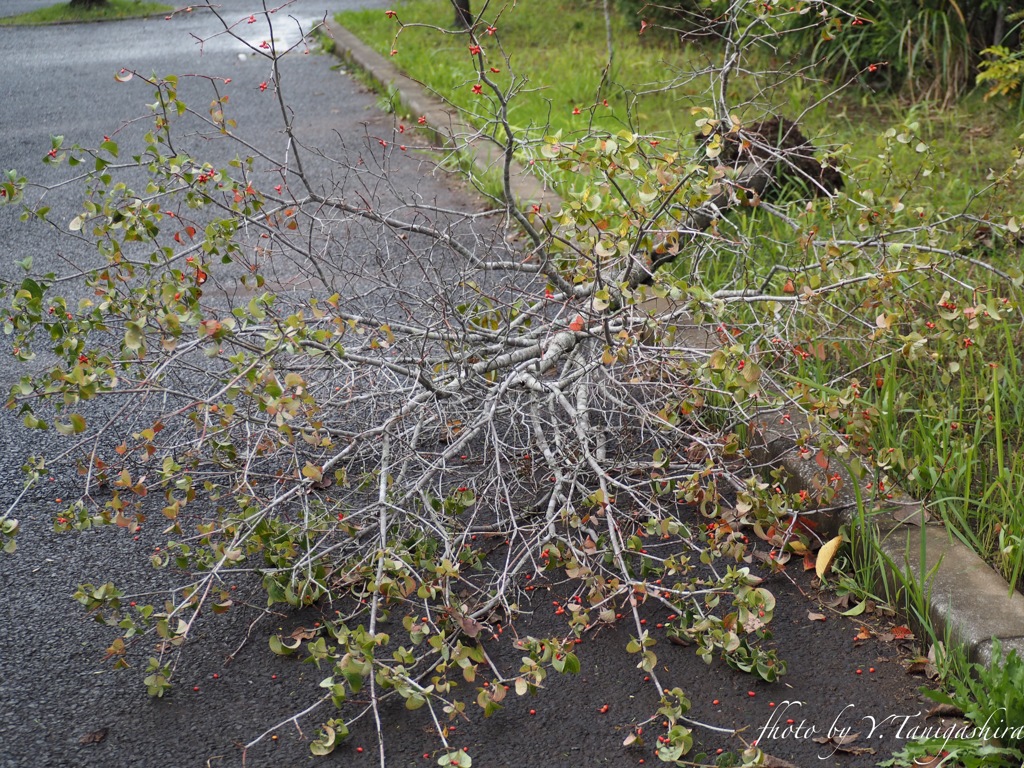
[815,616]
[808,562]
[922,666]
[301,633]
[863,634]
[94,737]
[843,601]
[770,761]
[837,738]
[844,743]
[850,750]
[827,555]
[633,738]
[902,633]
[945,710]
[469,625]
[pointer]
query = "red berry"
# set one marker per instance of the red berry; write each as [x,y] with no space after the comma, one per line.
[751,694]
[715,702]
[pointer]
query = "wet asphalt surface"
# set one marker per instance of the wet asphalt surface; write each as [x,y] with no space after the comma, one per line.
[55,688]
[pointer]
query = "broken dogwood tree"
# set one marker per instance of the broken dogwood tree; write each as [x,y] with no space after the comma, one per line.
[370,401]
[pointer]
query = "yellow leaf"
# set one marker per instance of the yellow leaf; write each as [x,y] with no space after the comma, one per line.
[826,555]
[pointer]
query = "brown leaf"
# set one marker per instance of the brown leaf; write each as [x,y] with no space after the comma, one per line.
[844,739]
[902,633]
[94,737]
[770,761]
[808,562]
[863,634]
[469,625]
[917,666]
[854,750]
[812,616]
[301,633]
[945,710]
[844,743]
[843,601]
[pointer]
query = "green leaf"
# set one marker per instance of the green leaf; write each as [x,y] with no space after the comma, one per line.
[34,289]
[278,647]
[460,759]
[857,610]
[133,337]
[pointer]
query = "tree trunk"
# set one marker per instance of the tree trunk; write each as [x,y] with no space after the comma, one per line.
[88,3]
[463,15]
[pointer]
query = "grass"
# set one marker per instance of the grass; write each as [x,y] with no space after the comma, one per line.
[63,13]
[945,421]
[541,44]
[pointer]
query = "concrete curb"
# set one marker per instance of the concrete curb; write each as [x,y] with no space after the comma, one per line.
[970,604]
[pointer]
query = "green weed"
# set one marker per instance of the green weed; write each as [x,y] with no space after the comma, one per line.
[63,13]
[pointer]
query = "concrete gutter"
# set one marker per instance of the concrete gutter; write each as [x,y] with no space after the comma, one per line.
[970,603]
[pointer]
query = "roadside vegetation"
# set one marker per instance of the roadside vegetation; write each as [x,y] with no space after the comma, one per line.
[67,13]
